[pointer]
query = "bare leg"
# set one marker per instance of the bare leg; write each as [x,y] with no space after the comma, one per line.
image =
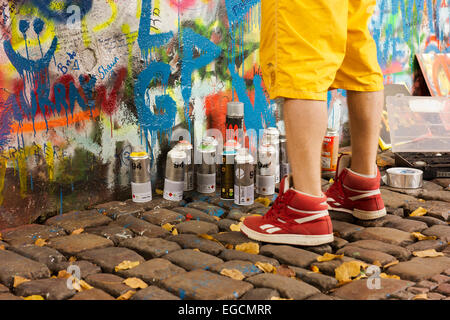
[306,123]
[365,117]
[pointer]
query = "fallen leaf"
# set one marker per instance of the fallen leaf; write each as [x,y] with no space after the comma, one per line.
[430,253]
[232,273]
[265,267]
[285,271]
[347,270]
[63,274]
[168,227]
[278,298]
[389,276]
[34,297]
[263,200]
[421,296]
[135,283]
[2,247]
[241,219]
[72,259]
[249,247]
[418,212]
[377,263]
[390,264]
[175,231]
[216,217]
[229,246]
[40,242]
[196,249]
[315,269]
[85,286]
[19,280]
[236,227]
[159,192]
[125,265]
[331,181]
[382,163]
[208,237]
[77,231]
[127,295]
[1,237]
[421,200]
[421,237]
[329,256]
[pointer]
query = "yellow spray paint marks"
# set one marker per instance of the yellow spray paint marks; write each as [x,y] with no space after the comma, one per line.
[85,32]
[49,158]
[22,164]
[138,9]
[111,19]
[131,38]
[3,164]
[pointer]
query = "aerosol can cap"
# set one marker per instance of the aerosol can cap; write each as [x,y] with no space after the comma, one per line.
[235,109]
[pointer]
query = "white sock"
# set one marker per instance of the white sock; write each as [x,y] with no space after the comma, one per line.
[362,175]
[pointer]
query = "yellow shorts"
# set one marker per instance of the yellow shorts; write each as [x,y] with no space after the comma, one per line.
[311,46]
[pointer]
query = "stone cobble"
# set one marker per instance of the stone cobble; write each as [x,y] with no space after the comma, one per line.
[197,257]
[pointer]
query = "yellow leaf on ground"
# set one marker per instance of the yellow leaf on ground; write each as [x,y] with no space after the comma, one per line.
[331,181]
[422,296]
[1,237]
[207,237]
[19,280]
[135,283]
[389,276]
[241,219]
[85,286]
[72,259]
[77,231]
[168,227]
[159,191]
[264,201]
[430,253]
[40,242]
[175,231]
[249,247]
[125,265]
[278,298]
[346,271]
[63,274]
[421,237]
[2,247]
[418,212]
[216,217]
[265,267]
[232,273]
[390,264]
[34,297]
[229,246]
[127,295]
[329,256]
[196,249]
[421,200]
[315,269]
[236,227]
[377,263]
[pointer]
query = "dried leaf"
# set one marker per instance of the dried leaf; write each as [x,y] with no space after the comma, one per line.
[346,271]
[19,280]
[34,297]
[175,231]
[72,259]
[2,247]
[377,263]
[249,247]
[315,269]
[421,200]
[331,181]
[421,296]
[63,274]
[329,256]
[285,271]
[390,264]
[236,227]
[40,242]
[77,231]
[135,283]
[196,249]
[159,191]
[265,267]
[125,265]
[389,276]
[418,212]
[229,246]
[232,273]
[278,298]
[263,200]
[168,227]
[430,253]
[1,236]
[241,219]
[421,237]
[208,237]
[127,295]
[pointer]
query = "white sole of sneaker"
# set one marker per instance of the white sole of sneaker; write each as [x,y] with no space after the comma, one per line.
[361,214]
[294,239]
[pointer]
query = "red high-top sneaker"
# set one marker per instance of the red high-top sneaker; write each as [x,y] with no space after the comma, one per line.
[295,218]
[354,193]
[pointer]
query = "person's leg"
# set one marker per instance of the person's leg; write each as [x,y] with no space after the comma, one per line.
[306,123]
[364,110]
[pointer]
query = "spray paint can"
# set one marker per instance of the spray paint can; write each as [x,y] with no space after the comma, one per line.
[271,136]
[227,169]
[330,148]
[265,175]
[174,181]
[244,178]
[186,146]
[284,162]
[206,170]
[235,121]
[141,186]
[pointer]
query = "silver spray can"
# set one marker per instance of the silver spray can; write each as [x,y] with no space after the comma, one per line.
[141,186]
[234,121]
[186,146]
[244,178]
[265,175]
[272,136]
[206,170]
[284,162]
[174,181]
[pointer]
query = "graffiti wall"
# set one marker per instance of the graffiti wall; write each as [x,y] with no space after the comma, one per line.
[83,82]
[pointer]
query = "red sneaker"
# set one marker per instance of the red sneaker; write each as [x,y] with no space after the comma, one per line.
[295,218]
[354,193]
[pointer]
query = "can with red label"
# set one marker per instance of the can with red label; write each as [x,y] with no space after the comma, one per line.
[330,148]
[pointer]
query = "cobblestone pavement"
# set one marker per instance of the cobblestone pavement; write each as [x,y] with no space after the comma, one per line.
[187,250]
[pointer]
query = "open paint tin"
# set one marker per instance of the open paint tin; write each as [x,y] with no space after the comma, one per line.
[404,178]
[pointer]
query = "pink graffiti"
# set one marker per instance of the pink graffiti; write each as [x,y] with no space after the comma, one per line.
[182,5]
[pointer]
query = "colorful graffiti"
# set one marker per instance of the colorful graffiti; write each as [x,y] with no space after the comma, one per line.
[84,82]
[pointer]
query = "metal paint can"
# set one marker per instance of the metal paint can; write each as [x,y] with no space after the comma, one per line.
[271,136]
[186,146]
[206,170]
[330,148]
[141,186]
[227,169]
[265,175]
[244,178]
[284,162]
[234,120]
[174,181]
